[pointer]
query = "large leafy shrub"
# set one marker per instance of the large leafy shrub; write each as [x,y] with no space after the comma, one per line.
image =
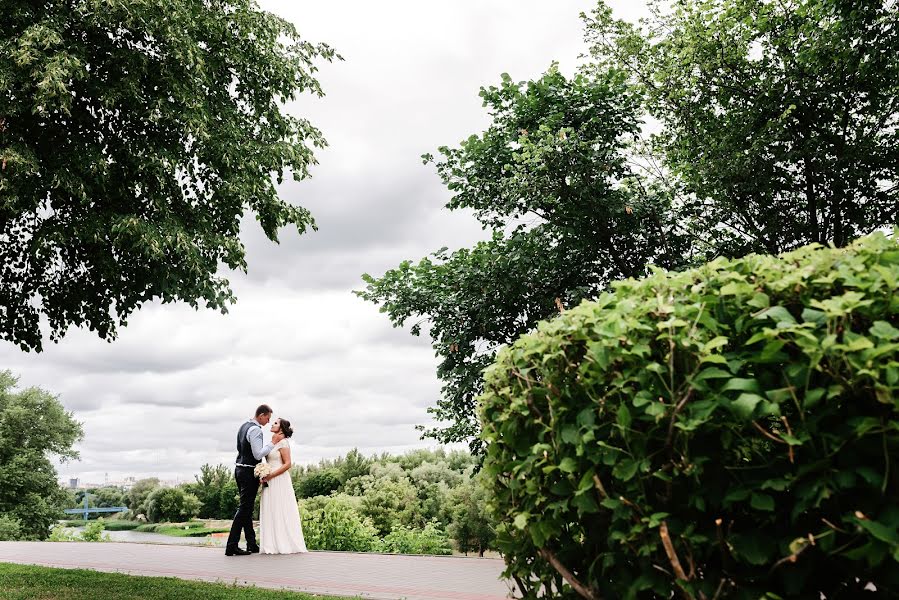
[727,431]
[318,484]
[334,523]
[430,539]
[10,528]
[172,505]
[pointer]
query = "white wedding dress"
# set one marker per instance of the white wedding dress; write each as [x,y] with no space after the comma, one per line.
[280,529]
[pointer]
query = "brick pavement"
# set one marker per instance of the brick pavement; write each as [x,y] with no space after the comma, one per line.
[376,576]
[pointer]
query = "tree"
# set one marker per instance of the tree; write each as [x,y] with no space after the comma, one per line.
[103,497]
[133,138]
[354,465]
[172,505]
[217,491]
[550,178]
[33,427]
[10,529]
[779,119]
[318,484]
[334,523]
[471,527]
[136,500]
[389,503]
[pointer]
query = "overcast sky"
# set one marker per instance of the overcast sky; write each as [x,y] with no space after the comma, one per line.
[169,394]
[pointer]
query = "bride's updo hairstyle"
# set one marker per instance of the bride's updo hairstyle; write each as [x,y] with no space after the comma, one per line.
[286,429]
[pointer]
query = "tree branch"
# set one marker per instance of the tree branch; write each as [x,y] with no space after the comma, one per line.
[573,581]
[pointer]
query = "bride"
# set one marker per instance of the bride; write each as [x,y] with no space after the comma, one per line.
[280,529]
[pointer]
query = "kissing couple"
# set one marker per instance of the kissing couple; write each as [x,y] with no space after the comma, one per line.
[280,529]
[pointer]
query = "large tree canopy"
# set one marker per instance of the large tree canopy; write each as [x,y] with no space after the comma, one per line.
[34,426]
[568,215]
[780,119]
[133,138]
[779,126]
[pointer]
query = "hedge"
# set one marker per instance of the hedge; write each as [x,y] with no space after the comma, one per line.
[726,431]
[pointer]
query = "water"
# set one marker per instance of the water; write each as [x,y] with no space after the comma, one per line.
[145,537]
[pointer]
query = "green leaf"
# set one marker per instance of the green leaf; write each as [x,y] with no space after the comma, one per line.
[568,465]
[521,520]
[712,373]
[625,469]
[743,385]
[624,417]
[880,531]
[745,405]
[762,502]
[778,314]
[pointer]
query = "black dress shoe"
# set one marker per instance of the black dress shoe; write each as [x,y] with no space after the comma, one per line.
[237,552]
[253,549]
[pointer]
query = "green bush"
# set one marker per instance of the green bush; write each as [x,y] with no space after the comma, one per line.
[93,532]
[471,527]
[172,505]
[10,529]
[407,540]
[321,483]
[117,525]
[333,523]
[728,431]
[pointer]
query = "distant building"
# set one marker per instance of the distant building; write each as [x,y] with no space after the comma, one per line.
[73,483]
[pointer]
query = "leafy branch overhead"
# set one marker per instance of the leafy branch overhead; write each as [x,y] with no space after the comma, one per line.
[133,138]
[777,125]
[568,215]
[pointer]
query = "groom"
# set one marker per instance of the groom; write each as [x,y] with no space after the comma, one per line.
[250,452]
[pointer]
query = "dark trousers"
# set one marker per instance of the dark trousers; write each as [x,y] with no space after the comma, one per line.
[248,487]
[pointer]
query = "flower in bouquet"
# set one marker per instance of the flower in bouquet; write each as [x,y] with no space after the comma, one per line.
[262,470]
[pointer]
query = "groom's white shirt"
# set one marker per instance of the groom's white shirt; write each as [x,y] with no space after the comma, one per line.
[254,436]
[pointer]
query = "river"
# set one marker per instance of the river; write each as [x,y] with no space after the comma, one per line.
[144,537]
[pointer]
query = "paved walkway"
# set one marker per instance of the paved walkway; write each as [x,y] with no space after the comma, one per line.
[380,576]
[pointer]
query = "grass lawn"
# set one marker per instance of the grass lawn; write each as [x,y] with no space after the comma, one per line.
[25,582]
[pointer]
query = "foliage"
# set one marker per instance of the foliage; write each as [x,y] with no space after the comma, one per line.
[119,525]
[321,483]
[61,533]
[172,505]
[390,501]
[216,489]
[25,582]
[353,465]
[136,499]
[134,137]
[92,532]
[10,528]
[730,429]
[550,179]
[334,523]
[471,526]
[779,119]
[430,539]
[779,126]
[434,482]
[103,497]
[33,427]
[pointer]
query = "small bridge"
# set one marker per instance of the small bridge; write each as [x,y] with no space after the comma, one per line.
[86,510]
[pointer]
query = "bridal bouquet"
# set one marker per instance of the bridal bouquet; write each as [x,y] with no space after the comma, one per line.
[262,470]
